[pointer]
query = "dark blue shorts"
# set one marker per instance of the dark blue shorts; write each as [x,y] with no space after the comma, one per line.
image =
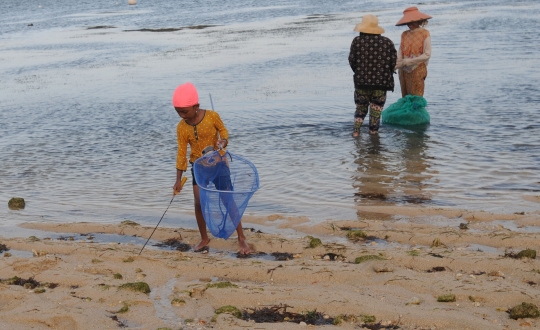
[222,182]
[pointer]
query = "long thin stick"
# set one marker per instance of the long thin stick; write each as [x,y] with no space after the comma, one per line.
[183,181]
[212,104]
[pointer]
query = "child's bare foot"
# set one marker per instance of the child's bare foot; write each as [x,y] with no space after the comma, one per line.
[244,247]
[373,132]
[355,134]
[201,245]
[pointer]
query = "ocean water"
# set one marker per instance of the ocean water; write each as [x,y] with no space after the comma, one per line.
[87,131]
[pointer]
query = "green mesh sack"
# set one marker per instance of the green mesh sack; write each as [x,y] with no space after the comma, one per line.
[408,110]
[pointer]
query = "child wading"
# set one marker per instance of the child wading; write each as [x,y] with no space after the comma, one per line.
[199,128]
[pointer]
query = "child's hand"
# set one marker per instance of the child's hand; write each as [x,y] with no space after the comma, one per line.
[177,187]
[222,143]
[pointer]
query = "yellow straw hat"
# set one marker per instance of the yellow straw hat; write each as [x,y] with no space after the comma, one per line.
[369,24]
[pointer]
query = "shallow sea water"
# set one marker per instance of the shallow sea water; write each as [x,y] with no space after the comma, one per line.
[87,132]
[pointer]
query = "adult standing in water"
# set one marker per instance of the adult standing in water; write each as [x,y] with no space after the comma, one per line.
[414,52]
[372,59]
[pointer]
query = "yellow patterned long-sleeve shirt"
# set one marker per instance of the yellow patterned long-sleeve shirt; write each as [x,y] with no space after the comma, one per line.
[199,136]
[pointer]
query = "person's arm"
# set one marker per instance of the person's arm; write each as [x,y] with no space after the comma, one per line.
[181,160]
[399,62]
[422,58]
[223,132]
[393,56]
[352,55]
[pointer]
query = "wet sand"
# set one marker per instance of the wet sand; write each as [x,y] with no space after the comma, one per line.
[421,254]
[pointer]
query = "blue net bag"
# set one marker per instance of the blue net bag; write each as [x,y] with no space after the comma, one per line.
[226,183]
[408,110]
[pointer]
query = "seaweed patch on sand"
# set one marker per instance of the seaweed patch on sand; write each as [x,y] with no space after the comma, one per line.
[278,313]
[174,243]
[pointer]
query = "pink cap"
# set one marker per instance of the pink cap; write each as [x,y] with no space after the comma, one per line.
[185,96]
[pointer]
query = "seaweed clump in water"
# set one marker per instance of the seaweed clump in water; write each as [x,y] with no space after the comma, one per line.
[174,243]
[100,27]
[16,203]
[282,256]
[241,255]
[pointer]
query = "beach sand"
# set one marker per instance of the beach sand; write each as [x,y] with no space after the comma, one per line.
[399,288]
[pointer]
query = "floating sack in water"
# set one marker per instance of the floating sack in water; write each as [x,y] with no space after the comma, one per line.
[226,183]
[408,110]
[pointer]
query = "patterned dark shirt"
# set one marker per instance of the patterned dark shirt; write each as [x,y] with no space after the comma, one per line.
[373,59]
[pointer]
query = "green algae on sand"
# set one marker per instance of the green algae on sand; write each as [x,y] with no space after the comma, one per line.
[178,302]
[355,234]
[136,287]
[315,242]
[527,253]
[229,310]
[129,223]
[446,298]
[368,257]
[222,285]
[525,310]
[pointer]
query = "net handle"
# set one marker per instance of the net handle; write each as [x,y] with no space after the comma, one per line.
[218,136]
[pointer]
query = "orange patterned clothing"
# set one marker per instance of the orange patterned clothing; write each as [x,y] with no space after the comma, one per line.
[413,57]
[199,136]
[415,48]
[412,42]
[412,83]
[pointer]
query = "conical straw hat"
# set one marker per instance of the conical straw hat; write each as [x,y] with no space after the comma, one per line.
[369,24]
[412,14]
